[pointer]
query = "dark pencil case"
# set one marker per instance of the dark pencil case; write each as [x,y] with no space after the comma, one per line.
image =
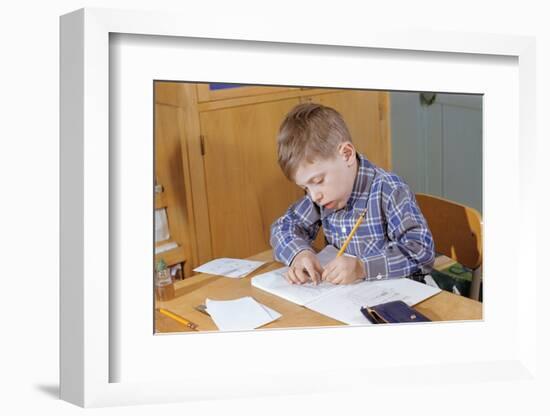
[392,313]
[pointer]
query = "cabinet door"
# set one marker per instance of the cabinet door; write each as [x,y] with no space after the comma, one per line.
[366,115]
[245,186]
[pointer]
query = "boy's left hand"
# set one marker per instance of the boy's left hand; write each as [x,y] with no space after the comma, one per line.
[344,270]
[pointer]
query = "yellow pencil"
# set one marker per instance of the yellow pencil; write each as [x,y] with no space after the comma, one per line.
[355,227]
[178,318]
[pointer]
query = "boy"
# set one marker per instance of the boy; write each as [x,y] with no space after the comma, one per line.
[316,152]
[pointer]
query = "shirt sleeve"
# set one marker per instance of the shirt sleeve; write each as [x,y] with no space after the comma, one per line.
[410,245]
[295,230]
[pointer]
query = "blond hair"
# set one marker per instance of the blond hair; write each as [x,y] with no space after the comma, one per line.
[309,132]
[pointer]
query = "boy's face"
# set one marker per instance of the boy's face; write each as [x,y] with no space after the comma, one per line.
[329,182]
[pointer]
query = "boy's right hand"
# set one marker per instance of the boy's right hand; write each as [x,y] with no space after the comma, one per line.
[304,267]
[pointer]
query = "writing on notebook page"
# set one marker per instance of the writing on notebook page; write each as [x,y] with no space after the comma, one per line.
[373,295]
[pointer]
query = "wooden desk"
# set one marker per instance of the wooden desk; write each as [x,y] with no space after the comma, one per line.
[193,291]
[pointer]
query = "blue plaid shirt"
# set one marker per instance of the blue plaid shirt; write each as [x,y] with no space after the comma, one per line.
[392,241]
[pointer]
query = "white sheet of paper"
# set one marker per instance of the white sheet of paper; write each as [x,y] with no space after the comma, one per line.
[272,312]
[275,282]
[240,314]
[343,302]
[227,267]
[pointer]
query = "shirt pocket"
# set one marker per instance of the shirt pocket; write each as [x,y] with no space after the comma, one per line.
[370,236]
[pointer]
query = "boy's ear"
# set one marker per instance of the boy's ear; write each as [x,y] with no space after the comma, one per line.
[347,151]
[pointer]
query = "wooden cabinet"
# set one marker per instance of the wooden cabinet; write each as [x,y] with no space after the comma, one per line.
[227,186]
[245,187]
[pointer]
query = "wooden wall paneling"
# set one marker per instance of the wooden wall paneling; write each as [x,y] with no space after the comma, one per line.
[246,189]
[189,200]
[191,154]
[170,174]
[166,93]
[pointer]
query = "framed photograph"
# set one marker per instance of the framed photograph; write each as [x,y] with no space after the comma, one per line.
[224,207]
[112,65]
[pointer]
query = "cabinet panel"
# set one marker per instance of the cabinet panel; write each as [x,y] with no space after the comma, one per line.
[245,187]
[366,115]
[170,173]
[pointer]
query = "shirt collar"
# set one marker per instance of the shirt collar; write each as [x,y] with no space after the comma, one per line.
[361,185]
[363,180]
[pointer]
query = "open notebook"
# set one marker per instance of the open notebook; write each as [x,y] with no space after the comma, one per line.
[343,302]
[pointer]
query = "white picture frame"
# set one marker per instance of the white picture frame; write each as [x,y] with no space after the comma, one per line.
[87,309]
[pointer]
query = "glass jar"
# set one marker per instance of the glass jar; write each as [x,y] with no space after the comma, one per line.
[164,285]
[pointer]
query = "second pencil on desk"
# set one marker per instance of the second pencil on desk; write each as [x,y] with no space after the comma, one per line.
[178,318]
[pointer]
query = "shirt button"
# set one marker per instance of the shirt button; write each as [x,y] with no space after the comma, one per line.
[343,229]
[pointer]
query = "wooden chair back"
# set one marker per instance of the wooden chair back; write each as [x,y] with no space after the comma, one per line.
[456,229]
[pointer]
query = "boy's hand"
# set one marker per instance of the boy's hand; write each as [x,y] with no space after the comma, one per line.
[344,270]
[304,267]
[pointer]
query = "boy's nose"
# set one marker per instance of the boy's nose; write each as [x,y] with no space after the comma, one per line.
[318,197]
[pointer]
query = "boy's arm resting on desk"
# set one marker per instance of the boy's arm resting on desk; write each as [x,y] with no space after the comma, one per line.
[410,246]
[295,230]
